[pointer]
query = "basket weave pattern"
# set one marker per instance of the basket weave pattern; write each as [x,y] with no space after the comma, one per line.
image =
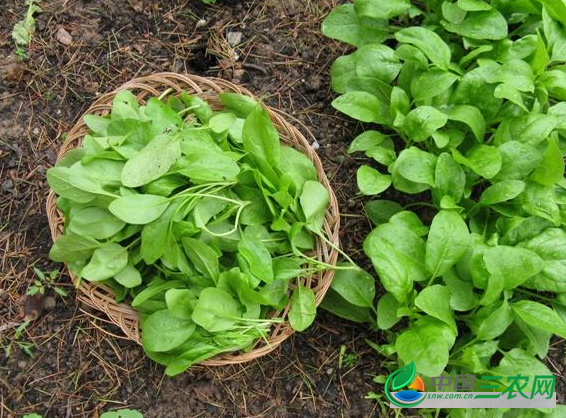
[101,297]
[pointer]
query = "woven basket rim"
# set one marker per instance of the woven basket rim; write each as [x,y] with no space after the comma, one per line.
[101,298]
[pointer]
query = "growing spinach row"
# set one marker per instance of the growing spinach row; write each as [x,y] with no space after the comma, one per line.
[201,220]
[468,97]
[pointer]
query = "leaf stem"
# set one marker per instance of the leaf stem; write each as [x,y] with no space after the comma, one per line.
[138,239]
[165,93]
[472,341]
[430,205]
[337,248]
[187,109]
[327,266]
[236,223]
[212,196]
[535,295]
[259,321]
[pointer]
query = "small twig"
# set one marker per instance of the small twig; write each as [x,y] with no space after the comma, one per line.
[250,66]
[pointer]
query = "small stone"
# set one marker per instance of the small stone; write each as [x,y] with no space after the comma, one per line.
[200,23]
[32,306]
[329,371]
[307,55]
[178,65]
[137,5]
[139,49]
[238,73]
[12,71]
[49,303]
[91,86]
[234,38]
[51,156]
[313,83]
[17,150]
[7,185]
[64,37]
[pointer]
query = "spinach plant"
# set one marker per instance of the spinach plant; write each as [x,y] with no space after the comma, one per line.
[44,281]
[200,219]
[8,344]
[24,29]
[468,95]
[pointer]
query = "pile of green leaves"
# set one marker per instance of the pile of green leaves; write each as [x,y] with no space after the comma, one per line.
[199,219]
[468,97]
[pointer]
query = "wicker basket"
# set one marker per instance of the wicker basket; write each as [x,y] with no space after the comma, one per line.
[101,297]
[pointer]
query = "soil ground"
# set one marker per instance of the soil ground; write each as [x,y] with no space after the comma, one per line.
[84,48]
[78,371]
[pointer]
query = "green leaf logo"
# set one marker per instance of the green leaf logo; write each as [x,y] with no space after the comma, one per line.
[399,379]
[403,377]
